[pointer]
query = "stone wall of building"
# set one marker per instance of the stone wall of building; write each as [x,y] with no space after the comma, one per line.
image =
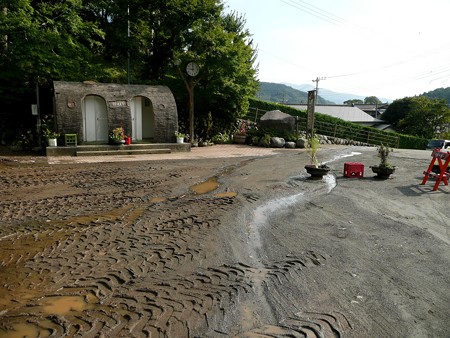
[69,100]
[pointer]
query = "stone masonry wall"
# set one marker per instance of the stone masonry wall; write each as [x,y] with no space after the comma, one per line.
[69,100]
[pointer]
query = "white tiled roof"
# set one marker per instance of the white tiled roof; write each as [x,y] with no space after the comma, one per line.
[344,112]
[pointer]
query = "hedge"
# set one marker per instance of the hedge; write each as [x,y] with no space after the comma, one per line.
[404,141]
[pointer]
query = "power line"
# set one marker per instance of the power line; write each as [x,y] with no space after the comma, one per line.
[335,20]
[435,74]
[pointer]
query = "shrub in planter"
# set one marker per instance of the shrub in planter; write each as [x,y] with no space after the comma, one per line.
[265,140]
[384,169]
[315,169]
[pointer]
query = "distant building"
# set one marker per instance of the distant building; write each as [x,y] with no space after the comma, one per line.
[374,110]
[348,113]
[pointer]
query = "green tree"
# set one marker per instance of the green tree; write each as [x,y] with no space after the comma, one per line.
[439,93]
[46,40]
[396,111]
[418,116]
[353,101]
[157,29]
[42,41]
[372,100]
[222,47]
[77,40]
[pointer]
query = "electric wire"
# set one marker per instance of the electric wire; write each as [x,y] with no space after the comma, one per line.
[343,23]
[395,70]
[337,21]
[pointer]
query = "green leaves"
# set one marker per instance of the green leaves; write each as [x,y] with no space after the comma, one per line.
[47,40]
[227,79]
[418,116]
[75,40]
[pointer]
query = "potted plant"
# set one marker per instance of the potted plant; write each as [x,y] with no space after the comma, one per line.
[52,138]
[117,136]
[180,137]
[50,135]
[384,169]
[241,134]
[315,169]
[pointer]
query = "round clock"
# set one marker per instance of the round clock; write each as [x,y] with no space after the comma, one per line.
[192,69]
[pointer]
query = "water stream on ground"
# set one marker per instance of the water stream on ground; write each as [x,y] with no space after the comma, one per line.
[276,206]
[263,212]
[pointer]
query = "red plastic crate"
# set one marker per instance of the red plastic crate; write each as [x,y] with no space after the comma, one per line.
[353,169]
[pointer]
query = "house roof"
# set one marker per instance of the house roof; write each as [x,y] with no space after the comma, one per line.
[386,127]
[344,112]
[364,106]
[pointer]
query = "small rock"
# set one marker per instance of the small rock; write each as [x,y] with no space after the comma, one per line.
[290,145]
[302,142]
[277,142]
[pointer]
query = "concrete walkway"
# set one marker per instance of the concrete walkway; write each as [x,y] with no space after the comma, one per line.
[216,151]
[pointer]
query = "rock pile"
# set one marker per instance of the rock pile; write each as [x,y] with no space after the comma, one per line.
[302,142]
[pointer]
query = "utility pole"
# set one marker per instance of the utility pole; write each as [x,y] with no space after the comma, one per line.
[128,42]
[310,113]
[317,86]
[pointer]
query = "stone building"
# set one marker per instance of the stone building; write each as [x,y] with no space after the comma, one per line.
[91,110]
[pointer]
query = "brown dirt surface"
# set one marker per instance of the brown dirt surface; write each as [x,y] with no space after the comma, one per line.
[229,241]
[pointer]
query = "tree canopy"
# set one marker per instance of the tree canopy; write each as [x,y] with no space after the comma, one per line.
[367,100]
[75,40]
[372,100]
[45,40]
[439,93]
[222,48]
[418,116]
[354,101]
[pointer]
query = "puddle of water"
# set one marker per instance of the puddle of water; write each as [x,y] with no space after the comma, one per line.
[158,199]
[24,330]
[203,188]
[63,304]
[226,194]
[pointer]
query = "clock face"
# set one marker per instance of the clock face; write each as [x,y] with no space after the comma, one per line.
[192,69]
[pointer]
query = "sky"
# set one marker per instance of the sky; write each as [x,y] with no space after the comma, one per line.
[385,48]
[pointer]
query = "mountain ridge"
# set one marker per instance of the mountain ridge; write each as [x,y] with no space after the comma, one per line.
[337,97]
[296,94]
[281,93]
[286,93]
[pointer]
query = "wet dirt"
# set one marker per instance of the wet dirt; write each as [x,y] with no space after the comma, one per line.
[205,187]
[223,247]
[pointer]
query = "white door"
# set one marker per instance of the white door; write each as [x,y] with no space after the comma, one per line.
[95,119]
[136,118]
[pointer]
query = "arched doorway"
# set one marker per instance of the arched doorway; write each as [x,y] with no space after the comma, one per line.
[142,118]
[95,119]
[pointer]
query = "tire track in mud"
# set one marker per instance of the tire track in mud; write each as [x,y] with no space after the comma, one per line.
[306,324]
[302,324]
[123,291]
[130,255]
[114,263]
[125,262]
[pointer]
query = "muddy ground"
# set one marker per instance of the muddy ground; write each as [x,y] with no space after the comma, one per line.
[140,249]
